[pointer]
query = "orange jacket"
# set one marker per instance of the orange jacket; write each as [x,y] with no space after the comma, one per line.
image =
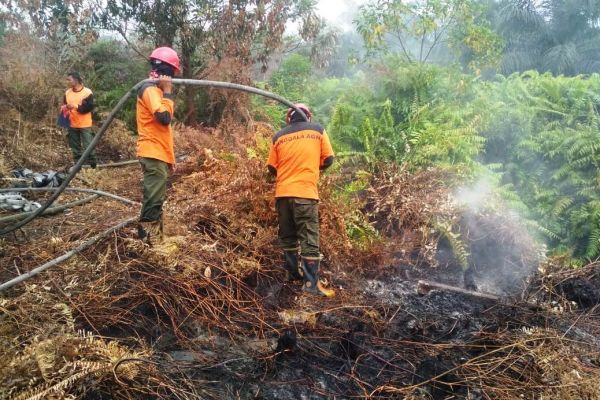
[298,153]
[83,101]
[154,113]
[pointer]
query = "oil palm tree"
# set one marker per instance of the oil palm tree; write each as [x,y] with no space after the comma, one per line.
[560,36]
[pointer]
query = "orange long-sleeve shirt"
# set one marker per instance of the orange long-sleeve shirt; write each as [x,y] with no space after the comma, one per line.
[298,153]
[154,112]
[82,102]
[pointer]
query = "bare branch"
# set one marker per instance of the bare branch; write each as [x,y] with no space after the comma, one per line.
[131,45]
[404,49]
[438,36]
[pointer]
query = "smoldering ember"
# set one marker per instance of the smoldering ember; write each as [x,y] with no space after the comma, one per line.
[209,200]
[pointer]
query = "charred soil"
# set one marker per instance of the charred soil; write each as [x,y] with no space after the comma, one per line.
[208,314]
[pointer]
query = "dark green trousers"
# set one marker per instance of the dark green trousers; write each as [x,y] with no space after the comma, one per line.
[299,225]
[79,140]
[156,173]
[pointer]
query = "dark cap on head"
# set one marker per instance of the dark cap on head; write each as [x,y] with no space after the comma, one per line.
[75,75]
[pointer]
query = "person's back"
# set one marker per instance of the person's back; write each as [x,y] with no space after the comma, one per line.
[298,153]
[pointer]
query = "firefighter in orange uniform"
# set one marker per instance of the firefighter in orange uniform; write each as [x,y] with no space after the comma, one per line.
[298,153]
[79,101]
[154,113]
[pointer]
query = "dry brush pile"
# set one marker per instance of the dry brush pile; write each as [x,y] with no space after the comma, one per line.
[206,315]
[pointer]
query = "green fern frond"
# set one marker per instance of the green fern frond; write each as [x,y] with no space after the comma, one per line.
[561,205]
[459,249]
[593,246]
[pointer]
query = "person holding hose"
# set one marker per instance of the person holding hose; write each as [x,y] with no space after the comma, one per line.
[154,113]
[78,104]
[297,155]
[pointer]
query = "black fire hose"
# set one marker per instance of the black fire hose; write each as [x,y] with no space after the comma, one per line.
[66,256]
[113,114]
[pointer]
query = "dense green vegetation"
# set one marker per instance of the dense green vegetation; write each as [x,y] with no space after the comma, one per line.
[472,86]
[544,131]
[560,36]
[534,135]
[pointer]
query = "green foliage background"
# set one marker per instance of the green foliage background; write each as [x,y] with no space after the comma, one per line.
[535,136]
[427,94]
[111,72]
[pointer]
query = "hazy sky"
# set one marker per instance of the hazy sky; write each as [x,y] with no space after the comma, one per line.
[339,13]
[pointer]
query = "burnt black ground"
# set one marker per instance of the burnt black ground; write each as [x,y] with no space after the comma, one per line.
[585,293]
[377,332]
[349,354]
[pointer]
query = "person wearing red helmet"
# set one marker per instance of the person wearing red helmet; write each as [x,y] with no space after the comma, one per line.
[298,153]
[154,113]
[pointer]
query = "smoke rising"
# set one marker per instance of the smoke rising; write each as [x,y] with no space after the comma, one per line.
[502,251]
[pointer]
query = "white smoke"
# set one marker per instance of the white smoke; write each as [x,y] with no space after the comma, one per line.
[502,251]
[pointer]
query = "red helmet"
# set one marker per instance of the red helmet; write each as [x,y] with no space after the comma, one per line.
[301,106]
[166,55]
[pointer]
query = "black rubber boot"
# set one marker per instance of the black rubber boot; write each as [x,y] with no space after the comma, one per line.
[312,284]
[292,265]
[142,230]
[150,232]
